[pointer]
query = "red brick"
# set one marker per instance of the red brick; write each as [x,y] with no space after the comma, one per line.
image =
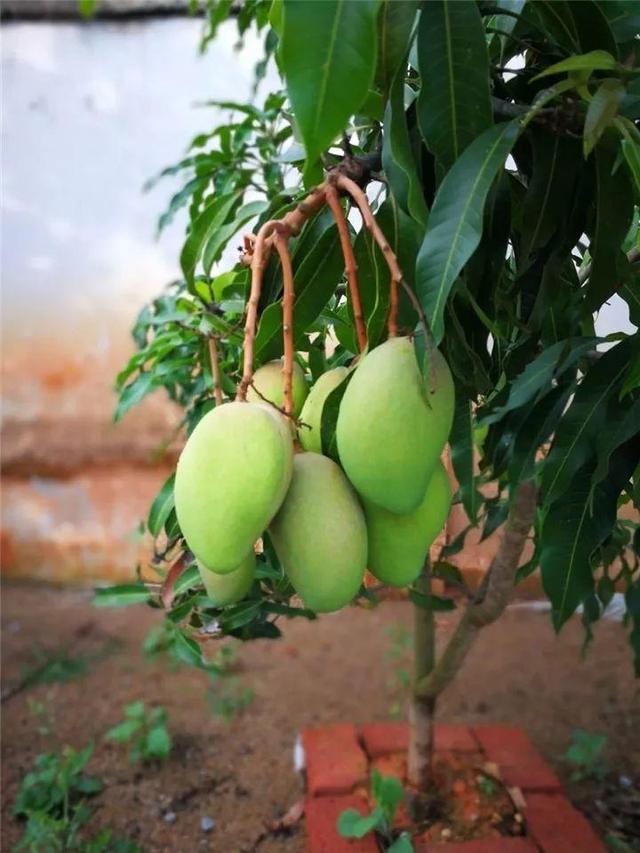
[335,761]
[392,765]
[558,827]
[455,739]
[321,816]
[520,763]
[384,738]
[488,845]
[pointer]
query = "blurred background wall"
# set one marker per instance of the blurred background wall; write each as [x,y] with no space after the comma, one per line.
[90,112]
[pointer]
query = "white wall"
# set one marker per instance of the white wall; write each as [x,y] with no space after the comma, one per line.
[90,111]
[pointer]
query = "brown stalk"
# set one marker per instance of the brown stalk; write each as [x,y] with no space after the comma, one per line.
[280,241]
[215,370]
[258,263]
[360,198]
[351,267]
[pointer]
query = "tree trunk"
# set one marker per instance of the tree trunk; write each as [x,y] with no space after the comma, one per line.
[422,709]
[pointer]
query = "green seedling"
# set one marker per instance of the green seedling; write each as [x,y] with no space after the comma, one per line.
[585,754]
[388,793]
[145,731]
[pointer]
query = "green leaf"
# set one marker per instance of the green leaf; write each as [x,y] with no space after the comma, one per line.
[462,457]
[402,844]
[602,109]
[329,419]
[395,24]
[550,193]
[456,220]
[580,428]
[123,732]
[161,507]
[221,236]
[157,742]
[431,602]
[622,427]
[134,393]
[573,528]
[538,374]
[188,651]
[614,212]
[87,8]
[328,55]
[595,60]
[540,423]
[121,595]
[454,104]
[203,230]
[351,824]
[631,151]
[397,157]
[187,580]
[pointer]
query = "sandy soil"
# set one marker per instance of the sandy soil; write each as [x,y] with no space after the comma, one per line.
[339,668]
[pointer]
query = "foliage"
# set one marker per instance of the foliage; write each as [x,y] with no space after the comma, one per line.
[52,799]
[585,755]
[145,731]
[387,793]
[512,182]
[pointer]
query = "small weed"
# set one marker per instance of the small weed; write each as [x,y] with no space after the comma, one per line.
[399,655]
[52,801]
[388,793]
[145,731]
[51,667]
[487,786]
[161,642]
[228,695]
[585,754]
[43,714]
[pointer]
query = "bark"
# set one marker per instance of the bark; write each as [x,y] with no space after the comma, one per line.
[422,709]
[497,591]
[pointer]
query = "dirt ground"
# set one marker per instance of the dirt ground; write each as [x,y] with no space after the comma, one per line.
[340,668]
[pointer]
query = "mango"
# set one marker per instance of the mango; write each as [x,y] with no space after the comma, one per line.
[393,424]
[268,381]
[311,415]
[232,587]
[320,535]
[441,397]
[398,544]
[231,479]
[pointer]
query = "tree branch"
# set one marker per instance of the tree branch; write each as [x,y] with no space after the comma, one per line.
[500,582]
[282,247]
[215,370]
[350,265]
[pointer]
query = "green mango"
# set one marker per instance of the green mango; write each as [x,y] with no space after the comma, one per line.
[392,425]
[441,397]
[311,414]
[398,544]
[268,381]
[320,535]
[232,587]
[232,476]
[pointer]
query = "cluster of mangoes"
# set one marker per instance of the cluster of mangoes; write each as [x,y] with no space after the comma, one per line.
[381,508]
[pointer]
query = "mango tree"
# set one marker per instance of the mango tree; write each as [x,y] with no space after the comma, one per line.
[436,208]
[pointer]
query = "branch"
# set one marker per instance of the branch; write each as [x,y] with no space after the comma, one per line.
[362,201]
[351,267]
[215,370]
[500,582]
[282,247]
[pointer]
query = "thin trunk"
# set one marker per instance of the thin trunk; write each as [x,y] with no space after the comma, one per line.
[422,709]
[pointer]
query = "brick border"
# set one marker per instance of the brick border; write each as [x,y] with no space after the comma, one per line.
[339,758]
